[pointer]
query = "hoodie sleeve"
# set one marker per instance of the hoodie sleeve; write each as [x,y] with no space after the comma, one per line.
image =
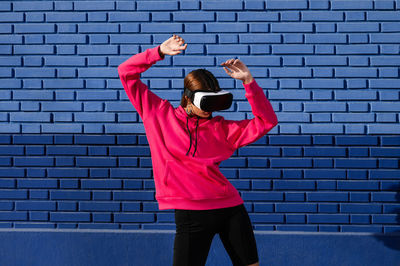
[144,100]
[243,132]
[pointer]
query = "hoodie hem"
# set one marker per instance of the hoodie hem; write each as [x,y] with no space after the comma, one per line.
[205,204]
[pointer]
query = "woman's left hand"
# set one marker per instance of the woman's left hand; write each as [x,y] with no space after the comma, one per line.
[237,70]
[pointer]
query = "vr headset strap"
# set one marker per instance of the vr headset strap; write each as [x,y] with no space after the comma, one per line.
[189,93]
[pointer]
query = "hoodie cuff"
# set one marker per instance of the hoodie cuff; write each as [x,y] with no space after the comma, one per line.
[159,57]
[154,55]
[252,88]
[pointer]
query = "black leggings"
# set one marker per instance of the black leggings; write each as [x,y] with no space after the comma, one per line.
[195,230]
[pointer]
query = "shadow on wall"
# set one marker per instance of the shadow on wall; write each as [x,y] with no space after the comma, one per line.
[387,239]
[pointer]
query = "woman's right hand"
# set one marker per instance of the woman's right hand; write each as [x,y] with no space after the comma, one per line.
[173,45]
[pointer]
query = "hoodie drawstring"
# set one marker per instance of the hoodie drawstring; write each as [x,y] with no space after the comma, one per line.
[195,147]
[190,135]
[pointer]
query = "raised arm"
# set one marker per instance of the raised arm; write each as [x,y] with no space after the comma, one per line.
[243,132]
[145,101]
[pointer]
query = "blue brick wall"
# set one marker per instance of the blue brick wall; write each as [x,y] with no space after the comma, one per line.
[73,153]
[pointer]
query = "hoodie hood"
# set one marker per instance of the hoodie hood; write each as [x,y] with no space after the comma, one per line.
[181,112]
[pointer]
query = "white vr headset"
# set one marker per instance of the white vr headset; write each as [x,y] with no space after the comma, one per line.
[210,101]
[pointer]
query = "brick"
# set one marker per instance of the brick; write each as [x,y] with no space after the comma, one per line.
[291,184]
[96,95]
[227,49]
[385,107]
[226,16]
[12,17]
[390,26]
[383,15]
[383,197]
[193,16]
[263,207]
[186,5]
[327,196]
[35,206]
[65,17]
[290,16]
[322,15]
[30,117]
[292,49]
[384,129]
[292,61]
[351,5]
[289,162]
[331,173]
[384,5]
[384,218]
[131,151]
[322,83]
[94,5]
[358,27]
[99,206]
[226,27]
[384,84]
[33,49]
[290,72]
[69,217]
[194,60]
[293,117]
[358,38]
[357,49]
[222,5]
[356,163]
[355,95]
[325,38]
[358,185]
[263,196]
[324,152]
[385,37]
[353,118]
[133,195]
[259,38]
[322,128]
[257,16]
[259,173]
[276,4]
[291,27]
[295,207]
[32,6]
[354,16]
[389,49]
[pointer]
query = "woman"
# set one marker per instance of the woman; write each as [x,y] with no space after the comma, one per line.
[187,145]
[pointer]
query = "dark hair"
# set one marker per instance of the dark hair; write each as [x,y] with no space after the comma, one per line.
[199,79]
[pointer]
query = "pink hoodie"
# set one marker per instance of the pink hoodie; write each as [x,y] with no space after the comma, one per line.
[186,151]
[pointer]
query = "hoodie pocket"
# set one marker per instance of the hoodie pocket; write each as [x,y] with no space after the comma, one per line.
[192,181]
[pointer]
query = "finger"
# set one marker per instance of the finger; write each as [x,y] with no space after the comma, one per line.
[238,63]
[226,62]
[227,72]
[234,68]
